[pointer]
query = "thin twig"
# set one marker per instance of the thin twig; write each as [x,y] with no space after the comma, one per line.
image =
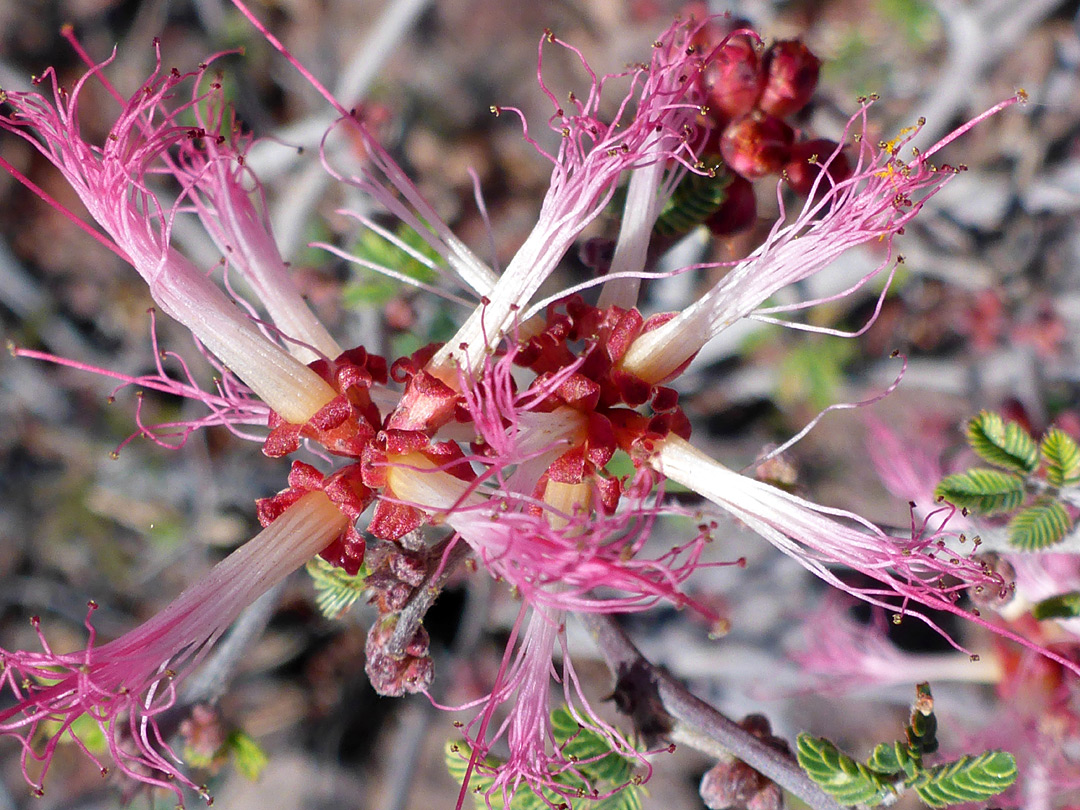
[412,615]
[661,704]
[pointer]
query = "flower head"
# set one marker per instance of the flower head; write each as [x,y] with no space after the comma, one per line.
[505,435]
[127,685]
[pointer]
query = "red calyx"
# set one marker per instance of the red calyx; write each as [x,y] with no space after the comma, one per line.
[345,424]
[345,489]
[428,403]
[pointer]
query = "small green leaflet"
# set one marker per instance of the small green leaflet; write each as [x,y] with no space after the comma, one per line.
[846,780]
[895,767]
[1061,606]
[1040,526]
[248,756]
[983,490]
[968,779]
[372,288]
[335,590]
[1002,444]
[597,767]
[1062,456]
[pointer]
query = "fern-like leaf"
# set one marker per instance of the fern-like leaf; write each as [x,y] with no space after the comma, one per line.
[891,759]
[846,780]
[598,768]
[968,779]
[1062,456]
[983,490]
[335,590]
[591,750]
[1039,526]
[1003,444]
[1062,606]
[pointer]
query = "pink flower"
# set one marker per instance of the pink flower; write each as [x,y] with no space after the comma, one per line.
[504,434]
[883,193]
[112,181]
[128,684]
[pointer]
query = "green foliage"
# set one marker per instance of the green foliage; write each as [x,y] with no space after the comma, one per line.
[983,490]
[335,590]
[968,779]
[846,780]
[1003,444]
[898,766]
[248,756]
[918,20]
[1062,457]
[371,288]
[597,766]
[1039,519]
[814,371]
[1040,526]
[1060,606]
[695,199]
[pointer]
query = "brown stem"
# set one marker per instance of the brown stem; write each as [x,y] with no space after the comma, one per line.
[412,615]
[660,705]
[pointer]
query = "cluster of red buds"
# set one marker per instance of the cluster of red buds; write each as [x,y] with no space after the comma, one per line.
[752,93]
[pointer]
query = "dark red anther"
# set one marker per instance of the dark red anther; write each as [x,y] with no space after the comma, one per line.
[756,145]
[792,72]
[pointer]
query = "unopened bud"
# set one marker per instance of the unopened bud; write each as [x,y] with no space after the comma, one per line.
[734,78]
[792,75]
[756,145]
[807,161]
[737,212]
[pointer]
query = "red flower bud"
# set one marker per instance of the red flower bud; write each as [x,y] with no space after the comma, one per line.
[735,78]
[756,145]
[807,160]
[792,72]
[738,211]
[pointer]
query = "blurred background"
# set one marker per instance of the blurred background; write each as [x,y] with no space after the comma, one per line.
[984,308]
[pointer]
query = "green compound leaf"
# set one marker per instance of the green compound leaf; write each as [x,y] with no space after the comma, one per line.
[335,590]
[371,288]
[695,199]
[598,767]
[1002,444]
[248,756]
[1062,456]
[921,730]
[983,490]
[1039,527]
[1062,606]
[592,751]
[846,780]
[968,779]
[891,759]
